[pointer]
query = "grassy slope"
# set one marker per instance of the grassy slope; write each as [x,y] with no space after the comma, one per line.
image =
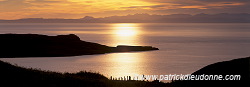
[18,76]
[15,76]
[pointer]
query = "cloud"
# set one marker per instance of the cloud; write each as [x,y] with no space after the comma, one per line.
[211,6]
[13,5]
[223,0]
[28,8]
[43,1]
[13,9]
[194,4]
[202,2]
[152,7]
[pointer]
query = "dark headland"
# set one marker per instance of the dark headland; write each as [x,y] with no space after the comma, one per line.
[35,45]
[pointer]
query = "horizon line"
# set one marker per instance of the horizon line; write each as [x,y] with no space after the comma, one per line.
[127,15]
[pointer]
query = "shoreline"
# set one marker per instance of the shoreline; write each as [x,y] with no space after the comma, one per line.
[36,45]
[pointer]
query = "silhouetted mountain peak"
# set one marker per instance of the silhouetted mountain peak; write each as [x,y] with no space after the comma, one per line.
[88,18]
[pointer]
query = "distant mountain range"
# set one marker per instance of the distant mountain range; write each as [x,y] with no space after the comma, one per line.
[146,18]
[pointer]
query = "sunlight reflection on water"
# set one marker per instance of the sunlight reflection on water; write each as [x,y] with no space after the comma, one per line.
[184,47]
[123,64]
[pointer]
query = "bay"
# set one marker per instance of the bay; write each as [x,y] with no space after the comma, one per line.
[184,47]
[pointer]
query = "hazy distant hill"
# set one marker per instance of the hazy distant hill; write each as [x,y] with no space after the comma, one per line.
[146,18]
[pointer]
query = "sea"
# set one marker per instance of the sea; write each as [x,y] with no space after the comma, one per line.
[183,47]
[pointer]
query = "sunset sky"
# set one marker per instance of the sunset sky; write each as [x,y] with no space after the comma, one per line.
[16,9]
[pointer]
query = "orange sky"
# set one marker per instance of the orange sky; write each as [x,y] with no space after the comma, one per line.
[16,9]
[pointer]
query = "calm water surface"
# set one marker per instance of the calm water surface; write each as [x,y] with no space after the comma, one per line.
[184,47]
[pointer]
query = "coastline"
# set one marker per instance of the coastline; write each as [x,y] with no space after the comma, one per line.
[35,45]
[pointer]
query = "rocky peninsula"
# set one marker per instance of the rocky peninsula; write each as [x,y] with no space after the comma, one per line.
[36,45]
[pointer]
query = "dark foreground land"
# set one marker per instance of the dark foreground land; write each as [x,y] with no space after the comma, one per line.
[240,66]
[34,45]
[15,76]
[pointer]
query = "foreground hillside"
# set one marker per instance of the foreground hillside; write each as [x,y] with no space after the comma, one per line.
[15,76]
[240,67]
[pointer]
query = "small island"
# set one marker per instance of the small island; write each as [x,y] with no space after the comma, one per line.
[36,45]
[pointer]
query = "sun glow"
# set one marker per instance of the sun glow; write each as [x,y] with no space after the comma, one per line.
[125,34]
[125,30]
